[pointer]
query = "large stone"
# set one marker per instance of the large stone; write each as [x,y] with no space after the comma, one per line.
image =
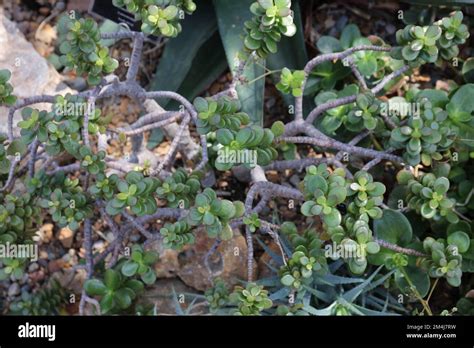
[229,261]
[31,73]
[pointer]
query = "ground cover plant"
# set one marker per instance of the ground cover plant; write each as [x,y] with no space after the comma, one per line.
[380,200]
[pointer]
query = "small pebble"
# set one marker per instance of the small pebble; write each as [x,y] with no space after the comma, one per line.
[33,267]
[13,290]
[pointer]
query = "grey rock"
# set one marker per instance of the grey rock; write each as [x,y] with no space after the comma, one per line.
[14,290]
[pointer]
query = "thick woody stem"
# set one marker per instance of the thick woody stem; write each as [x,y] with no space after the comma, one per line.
[350,99]
[399,249]
[151,126]
[88,247]
[136,55]
[89,110]
[11,175]
[334,144]
[174,146]
[325,58]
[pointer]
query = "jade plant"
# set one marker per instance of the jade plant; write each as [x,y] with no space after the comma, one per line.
[306,260]
[141,263]
[116,292]
[177,235]
[214,214]
[272,19]
[341,151]
[83,51]
[158,17]
[251,300]
[6,89]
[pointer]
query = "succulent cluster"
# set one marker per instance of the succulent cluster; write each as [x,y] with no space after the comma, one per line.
[427,195]
[250,146]
[426,136]
[251,300]
[396,261]
[4,161]
[180,188]
[46,301]
[68,205]
[141,263]
[291,82]
[358,243]
[272,18]
[116,291]
[94,163]
[222,113]
[104,186]
[215,214]
[366,195]
[334,118]
[60,129]
[135,192]
[177,235]
[365,113]
[6,89]
[445,258]
[252,221]
[19,214]
[454,33]
[324,191]
[159,17]
[83,51]
[13,268]
[419,45]
[217,296]
[307,258]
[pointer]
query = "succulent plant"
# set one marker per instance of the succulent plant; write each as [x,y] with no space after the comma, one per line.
[454,33]
[141,263]
[272,18]
[364,115]
[215,214]
[445,259]
[252,221]
[68,205]
[291,82]
[177,235]
[251,300]
[324,191]
[180,188]
[116,292]
[159,17]
[6,89]
[13,268]
[217,296]
[83,51]
[427,195]
[222,113]
[19,216]
[46,301]
[426,136]
[135,192]
[306,260]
